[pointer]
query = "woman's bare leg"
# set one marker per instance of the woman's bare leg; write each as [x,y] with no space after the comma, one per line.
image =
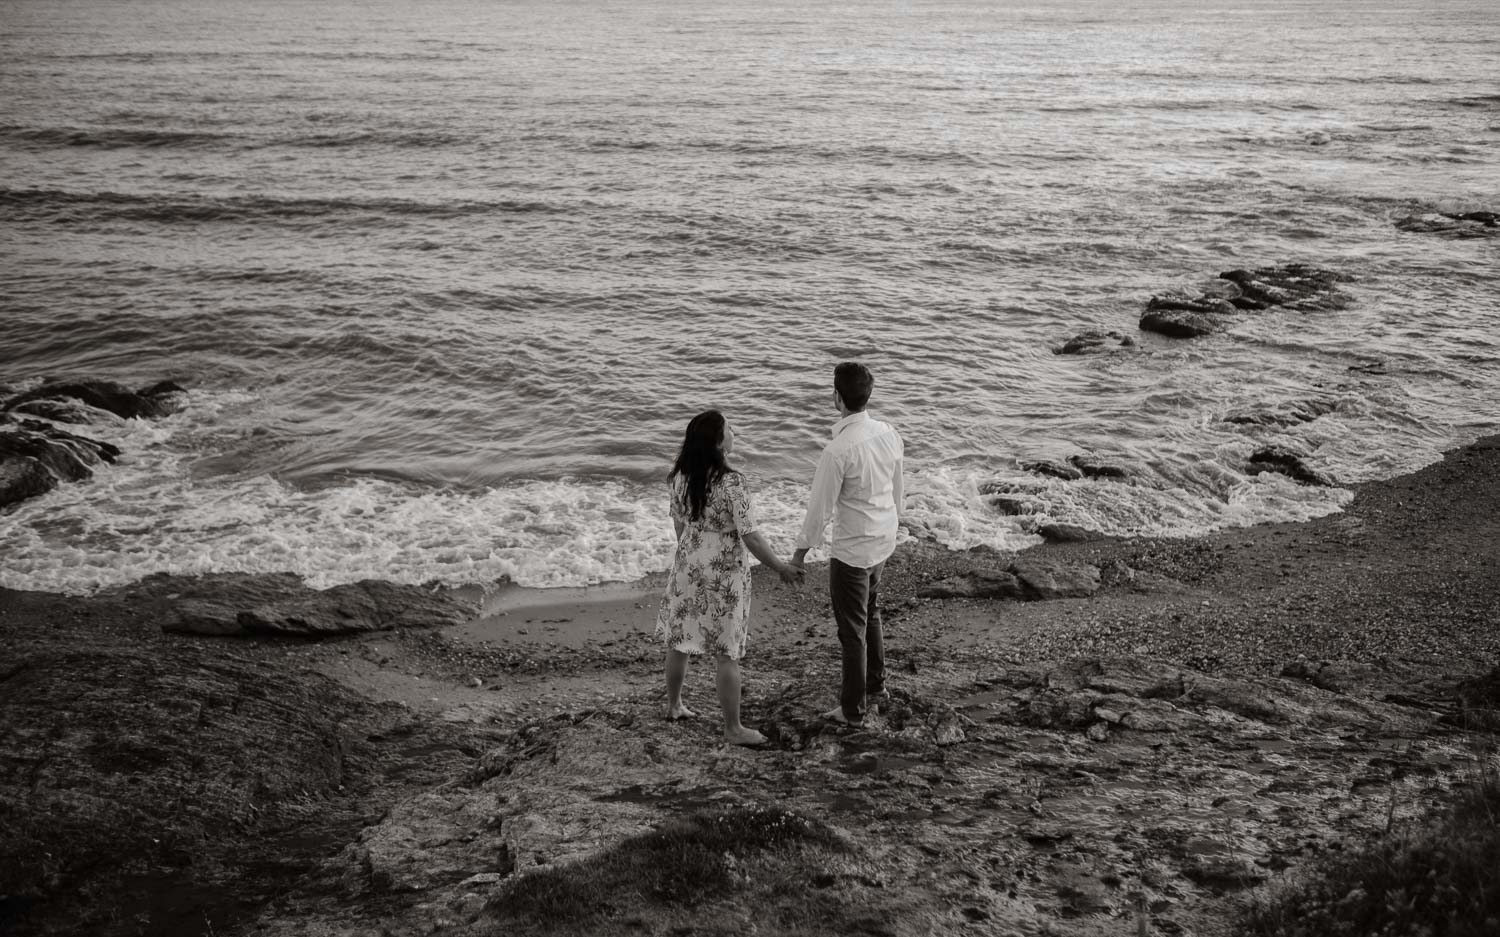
[727,680]
[677,664]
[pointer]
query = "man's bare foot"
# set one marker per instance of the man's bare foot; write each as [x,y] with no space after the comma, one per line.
[680,712]
[743,736]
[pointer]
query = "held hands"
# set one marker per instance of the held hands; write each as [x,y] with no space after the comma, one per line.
[791,574]
[794,570]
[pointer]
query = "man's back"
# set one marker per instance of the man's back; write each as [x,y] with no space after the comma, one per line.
[858,482]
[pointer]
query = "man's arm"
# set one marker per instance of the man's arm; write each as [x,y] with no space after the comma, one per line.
[827,480]
[898,490]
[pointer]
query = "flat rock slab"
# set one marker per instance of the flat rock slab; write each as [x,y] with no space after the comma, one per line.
[280,604]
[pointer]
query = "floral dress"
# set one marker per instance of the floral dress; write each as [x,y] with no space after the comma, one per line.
[706,606]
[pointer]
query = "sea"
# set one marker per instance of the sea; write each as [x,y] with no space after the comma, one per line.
[446,280]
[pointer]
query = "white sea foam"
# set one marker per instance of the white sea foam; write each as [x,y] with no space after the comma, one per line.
[150,515]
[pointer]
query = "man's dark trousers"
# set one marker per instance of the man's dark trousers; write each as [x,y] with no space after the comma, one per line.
[856,611]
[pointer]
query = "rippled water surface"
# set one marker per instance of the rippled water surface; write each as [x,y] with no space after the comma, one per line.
[446,280]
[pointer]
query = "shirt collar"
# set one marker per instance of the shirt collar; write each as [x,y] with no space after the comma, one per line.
[849,421]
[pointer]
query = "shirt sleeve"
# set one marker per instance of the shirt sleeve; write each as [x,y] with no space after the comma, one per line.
[898,486]
[675,498]
[739,503]
[827,480]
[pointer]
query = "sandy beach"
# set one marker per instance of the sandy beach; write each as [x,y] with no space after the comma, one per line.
[1218,713]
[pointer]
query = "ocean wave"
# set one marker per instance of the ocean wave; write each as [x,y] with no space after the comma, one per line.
[113,138]
[56,205]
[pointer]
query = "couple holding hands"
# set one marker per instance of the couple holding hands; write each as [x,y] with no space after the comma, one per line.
[706,606]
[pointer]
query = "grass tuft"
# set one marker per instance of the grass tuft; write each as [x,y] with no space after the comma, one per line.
[683,863]
[1442,878]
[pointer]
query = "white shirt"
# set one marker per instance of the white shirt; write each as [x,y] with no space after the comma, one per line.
[858,482]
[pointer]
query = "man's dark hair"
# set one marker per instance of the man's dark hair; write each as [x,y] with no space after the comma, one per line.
[854,382]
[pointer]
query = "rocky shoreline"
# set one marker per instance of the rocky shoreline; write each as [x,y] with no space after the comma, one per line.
[1189,722]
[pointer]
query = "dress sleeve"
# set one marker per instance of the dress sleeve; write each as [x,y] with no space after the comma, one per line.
[739,503]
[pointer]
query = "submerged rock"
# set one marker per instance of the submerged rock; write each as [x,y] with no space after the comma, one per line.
[1292,286]
[1094,342]
[1300,287]
[1286,462]
[1093,466]
[1473,224]
[59,400]
[1063,470]
[36,456]
[1287,414]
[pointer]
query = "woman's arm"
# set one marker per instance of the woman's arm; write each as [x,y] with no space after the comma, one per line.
[677,527]
[766,555]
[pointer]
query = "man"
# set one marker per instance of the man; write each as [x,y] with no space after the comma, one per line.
[858,484]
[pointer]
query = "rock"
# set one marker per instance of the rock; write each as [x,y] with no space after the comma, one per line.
[22,478]
[32,448]
[1009,504]
[1474,224]
[1286,462]
[1183,314]
[1178,323]
[1287,414]
[435,838]
[161,399]
[976,585]
[243,604]
[1094,467]
[1294,286]
[1218,865]
[1047,579]
[1053,469]
[1069,533]
[1181,301]
[1094,342]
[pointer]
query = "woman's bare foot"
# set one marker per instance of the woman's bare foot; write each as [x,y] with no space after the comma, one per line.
[680,712]
[743,736]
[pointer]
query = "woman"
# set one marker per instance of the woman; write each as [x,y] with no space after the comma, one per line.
[706,608]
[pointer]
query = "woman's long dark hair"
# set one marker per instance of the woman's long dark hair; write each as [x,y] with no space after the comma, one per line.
[700,460]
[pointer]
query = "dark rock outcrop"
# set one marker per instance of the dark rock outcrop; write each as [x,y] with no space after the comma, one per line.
[35,456]
[1094,342]
[1473,224]
[280,604]
[1286,462]
[1297,287]
[58,400]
